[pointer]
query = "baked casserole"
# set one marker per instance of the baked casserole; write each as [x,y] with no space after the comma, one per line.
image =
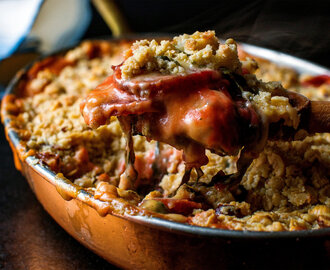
[285,188]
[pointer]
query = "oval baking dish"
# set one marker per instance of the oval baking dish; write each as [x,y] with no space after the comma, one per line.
[134,241]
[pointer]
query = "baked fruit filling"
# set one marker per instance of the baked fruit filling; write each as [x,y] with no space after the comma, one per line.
[203,116]
[191,93]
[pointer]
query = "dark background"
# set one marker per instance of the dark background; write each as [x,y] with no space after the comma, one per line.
[30,239]
[297,27]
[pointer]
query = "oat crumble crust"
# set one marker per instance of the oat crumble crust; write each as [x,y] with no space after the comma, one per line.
[288,185]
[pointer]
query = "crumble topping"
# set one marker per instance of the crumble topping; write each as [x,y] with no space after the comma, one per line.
[183,53]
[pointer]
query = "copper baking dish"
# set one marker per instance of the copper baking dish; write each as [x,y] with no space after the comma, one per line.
[140,242]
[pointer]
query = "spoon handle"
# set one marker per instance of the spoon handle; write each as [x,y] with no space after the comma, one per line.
[319,117]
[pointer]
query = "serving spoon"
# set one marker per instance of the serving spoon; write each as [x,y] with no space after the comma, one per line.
[314,115]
